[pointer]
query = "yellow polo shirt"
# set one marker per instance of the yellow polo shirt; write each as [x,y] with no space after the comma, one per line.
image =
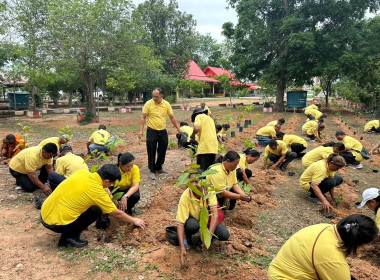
[208,110]
[290,139]
[316,154]
[69,164]
[29,160]
[207,143]
[74,196]
[129,178]
[157,113]
[316,173]
[272,123]
[187,208]
[267,131]
[369,125]
[315,113]
[378,219]
[222,180]
[243,164]
[100,137]
[54,140]
[354,144]
[281,149]
[294,260]
[312,106]
[189,130]
[311,128]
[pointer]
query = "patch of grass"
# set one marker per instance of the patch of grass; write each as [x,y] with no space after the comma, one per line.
[257,260]
[272,250]
[283,233]
[102,259]
[8,223]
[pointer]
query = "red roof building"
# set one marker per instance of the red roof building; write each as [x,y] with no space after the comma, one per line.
[196,73]
[215,71]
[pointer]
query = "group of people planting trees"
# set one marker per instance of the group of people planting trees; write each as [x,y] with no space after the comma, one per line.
[77,197]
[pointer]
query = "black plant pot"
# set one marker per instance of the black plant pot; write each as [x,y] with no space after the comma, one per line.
[361,138]
[238,125]
[246,125]
[240,129]
[232,134]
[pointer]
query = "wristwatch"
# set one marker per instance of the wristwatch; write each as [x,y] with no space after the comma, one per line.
[126,196]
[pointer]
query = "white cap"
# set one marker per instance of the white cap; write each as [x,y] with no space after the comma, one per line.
[369,194]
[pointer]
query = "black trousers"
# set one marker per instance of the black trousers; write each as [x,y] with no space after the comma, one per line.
[374,129]
[239,174]
[349,157]
[311,137]
[132,200]
[192,227]
[297,148]
[310,117]
[205,160]
[25,183]
[55,179]
[221,201]
[288,158]
[327,184]
[75,228]
[156,142]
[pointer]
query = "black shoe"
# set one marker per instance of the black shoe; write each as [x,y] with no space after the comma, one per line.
[283,168]
[38,200]
[162,171]
[301,155]
[130,212]
[72,242]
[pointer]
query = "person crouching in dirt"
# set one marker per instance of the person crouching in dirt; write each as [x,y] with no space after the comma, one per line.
[79,201]
[218,128]
[267,133]
[372,126]
[322,152]
[99,140]
[277,153]
[129,183]
[188,216]
[204,127]
[184,140]
[65,166]
[279,122]
[371,198]
[313,114]
[25,164]
[11,146]
[313,130]
[243,173]
[352,150]
[320,251]
[222,134]
[296,143]
[320,178]
[226,181]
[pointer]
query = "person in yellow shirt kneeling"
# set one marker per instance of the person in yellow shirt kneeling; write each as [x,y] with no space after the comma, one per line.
[278,154]
[320,251]
[243,173]
[129,183]
[79,201]
[296,143]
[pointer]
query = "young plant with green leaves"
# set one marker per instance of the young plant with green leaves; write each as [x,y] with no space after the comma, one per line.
[339,199]
[245,187]
[24,131]
[222,149]
[112,145]
[247,143]
[171,144]
[65,130]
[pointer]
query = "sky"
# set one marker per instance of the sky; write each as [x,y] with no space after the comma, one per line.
[209,14]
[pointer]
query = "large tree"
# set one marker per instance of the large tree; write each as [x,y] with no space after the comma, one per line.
[280,40]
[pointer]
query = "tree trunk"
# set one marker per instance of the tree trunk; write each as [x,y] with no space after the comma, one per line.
[135,96]
[70,99]
[34,90]
[85,75]
[328,89]
[279,106]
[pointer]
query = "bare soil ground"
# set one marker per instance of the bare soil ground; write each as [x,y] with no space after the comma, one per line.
[258,229]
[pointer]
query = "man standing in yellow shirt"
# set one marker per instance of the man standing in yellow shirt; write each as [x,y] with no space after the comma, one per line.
[204,126]
[155,112]
[277,152]
[352,150]
[204,107]
[79,201]
[66,165]
[25,164]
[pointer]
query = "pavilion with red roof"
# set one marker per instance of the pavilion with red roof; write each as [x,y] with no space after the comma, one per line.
[215,71]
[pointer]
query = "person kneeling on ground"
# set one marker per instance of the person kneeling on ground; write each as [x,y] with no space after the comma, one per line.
[11,146]
[65,166]
[188,216]
[58,141]
[320,251]
[313,130]
[352,150]
[296,143]
[79,201]
[24,166]
[99,140]
[320,178]
[322,152]
[226,181]
[243,173]
[371,198]
[274,123]
[313,114]
[267,133]
[129,183]
[277,152]
[184,139]
[372,126]
[222,134]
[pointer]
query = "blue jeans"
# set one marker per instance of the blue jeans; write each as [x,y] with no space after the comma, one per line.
[102,148]
[263,140]
[55,179]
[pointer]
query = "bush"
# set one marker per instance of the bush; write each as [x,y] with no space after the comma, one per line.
[171,99]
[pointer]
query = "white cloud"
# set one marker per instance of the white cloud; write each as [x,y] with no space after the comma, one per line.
[210,15]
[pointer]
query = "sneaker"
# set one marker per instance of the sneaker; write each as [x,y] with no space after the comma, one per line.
[38,200]
[315,200]
[312,141]
[359,166]
[283,168]
[162,171]
[152,176]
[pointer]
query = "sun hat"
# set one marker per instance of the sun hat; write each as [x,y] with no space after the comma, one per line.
[369,194]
